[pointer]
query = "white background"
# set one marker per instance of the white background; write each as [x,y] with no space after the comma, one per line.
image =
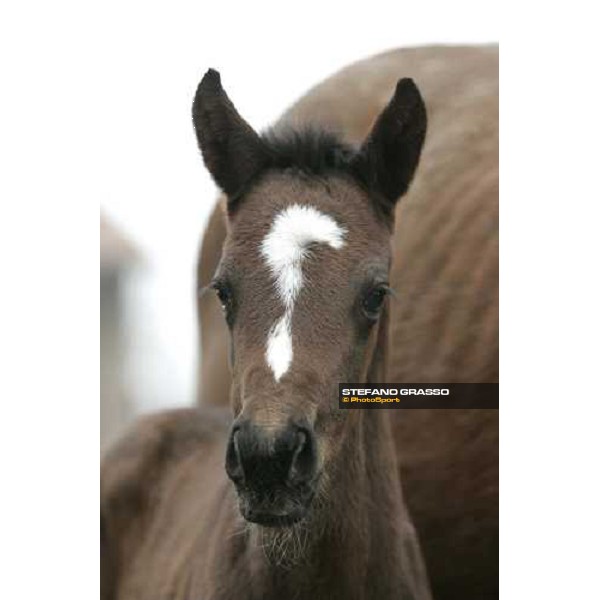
[95,104]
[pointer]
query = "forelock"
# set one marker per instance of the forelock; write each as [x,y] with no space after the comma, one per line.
[311,150]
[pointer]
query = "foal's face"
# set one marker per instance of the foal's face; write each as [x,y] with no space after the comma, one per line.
[303,282]
[303,279]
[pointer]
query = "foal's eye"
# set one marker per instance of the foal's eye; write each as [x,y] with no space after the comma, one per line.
[373,301]
[223,293]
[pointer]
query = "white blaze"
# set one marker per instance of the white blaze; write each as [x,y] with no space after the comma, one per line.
[284,249]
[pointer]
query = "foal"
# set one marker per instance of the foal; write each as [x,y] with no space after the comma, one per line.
[314,507]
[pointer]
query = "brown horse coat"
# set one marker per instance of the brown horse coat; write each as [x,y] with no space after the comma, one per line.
[170,527]
[444,323]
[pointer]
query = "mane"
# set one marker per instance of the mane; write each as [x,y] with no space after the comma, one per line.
[310,150]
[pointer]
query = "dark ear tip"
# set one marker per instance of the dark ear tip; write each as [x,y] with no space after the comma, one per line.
[406,84]
[407,91]
[210,81]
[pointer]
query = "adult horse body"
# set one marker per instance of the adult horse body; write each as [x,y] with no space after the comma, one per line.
[316,509]
[444,325]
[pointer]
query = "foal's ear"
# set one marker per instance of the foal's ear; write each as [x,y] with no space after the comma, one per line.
[388,158]
[233,152]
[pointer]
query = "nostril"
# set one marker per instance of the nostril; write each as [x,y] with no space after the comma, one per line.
[300,445]
[258,461]
[233,463]
[303,465]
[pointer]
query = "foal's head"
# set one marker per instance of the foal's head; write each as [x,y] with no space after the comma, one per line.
[303,281]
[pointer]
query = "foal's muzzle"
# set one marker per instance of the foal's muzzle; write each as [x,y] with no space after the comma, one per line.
[274,474]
